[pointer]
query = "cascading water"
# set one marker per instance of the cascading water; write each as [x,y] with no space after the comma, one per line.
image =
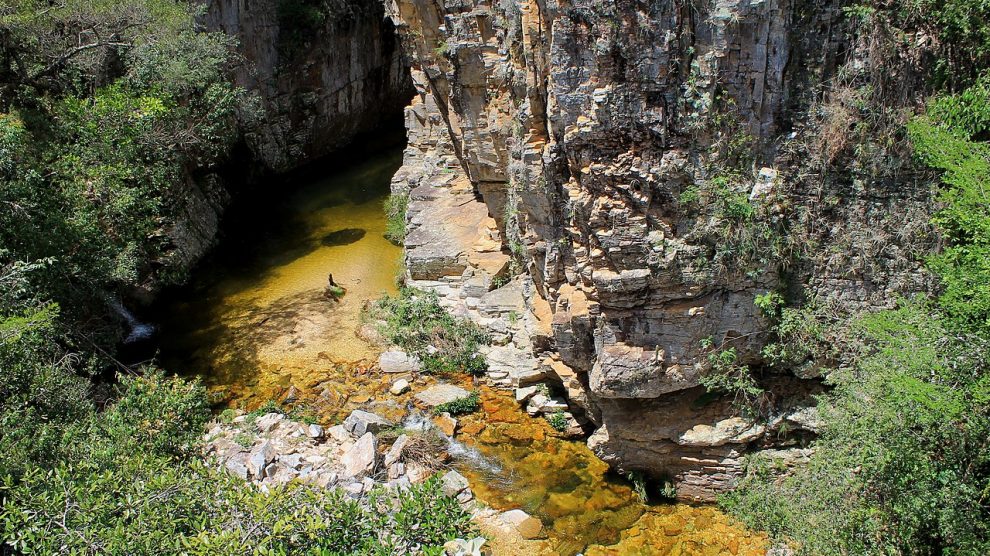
[137,331]
[467,455]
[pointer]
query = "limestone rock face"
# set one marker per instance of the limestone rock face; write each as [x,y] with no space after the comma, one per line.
[561,160]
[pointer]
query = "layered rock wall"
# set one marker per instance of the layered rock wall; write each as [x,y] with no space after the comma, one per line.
[630,171]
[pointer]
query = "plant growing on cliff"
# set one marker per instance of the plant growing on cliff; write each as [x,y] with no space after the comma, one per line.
[557,421]
[395,217]
[725,375]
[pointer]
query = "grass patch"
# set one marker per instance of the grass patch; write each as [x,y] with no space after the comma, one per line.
[395,215]
[462,406]
[415,321]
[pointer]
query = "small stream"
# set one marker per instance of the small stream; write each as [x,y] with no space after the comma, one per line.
[256,325]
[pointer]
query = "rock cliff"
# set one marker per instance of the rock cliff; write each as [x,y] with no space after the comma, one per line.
[324,72]
[321,73]
[609,184]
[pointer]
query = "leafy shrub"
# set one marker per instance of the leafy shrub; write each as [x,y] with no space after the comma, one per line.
[462,406]
[416,322]
[557,421]
[901,465]
[153,506]
[727,376]
[964,265]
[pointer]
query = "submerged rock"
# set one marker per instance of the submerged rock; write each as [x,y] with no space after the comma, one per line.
[527,526]
[343,237]
[446,423]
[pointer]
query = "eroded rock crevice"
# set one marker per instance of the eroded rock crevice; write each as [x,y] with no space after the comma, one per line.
[556,150]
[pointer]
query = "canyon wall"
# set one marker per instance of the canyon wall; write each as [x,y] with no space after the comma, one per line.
[320,74]
[324,72]
[608,185]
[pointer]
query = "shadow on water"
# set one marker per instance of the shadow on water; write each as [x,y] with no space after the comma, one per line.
[343,237]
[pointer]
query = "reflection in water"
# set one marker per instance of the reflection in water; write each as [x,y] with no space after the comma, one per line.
[255,323]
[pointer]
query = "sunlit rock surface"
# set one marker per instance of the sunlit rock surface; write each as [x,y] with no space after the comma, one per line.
[551,145]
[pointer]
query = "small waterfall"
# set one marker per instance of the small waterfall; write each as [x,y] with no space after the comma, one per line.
[417,421]
[139,331]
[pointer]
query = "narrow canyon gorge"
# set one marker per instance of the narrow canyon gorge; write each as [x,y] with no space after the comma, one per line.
[484,277]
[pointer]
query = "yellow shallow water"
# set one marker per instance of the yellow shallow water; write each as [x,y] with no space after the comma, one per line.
[256,325]
[585,508]
[257,318]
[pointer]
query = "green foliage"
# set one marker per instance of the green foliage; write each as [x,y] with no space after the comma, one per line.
[42,400]
[744,236]
[395,214]
[902,464]
[964,220]
[727,376]
[804,340]
[159,415]
[770,304]
[967,112]
[416,322]
[462,406]
[557,421]
[151,506]
[106,108]
[689,196]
